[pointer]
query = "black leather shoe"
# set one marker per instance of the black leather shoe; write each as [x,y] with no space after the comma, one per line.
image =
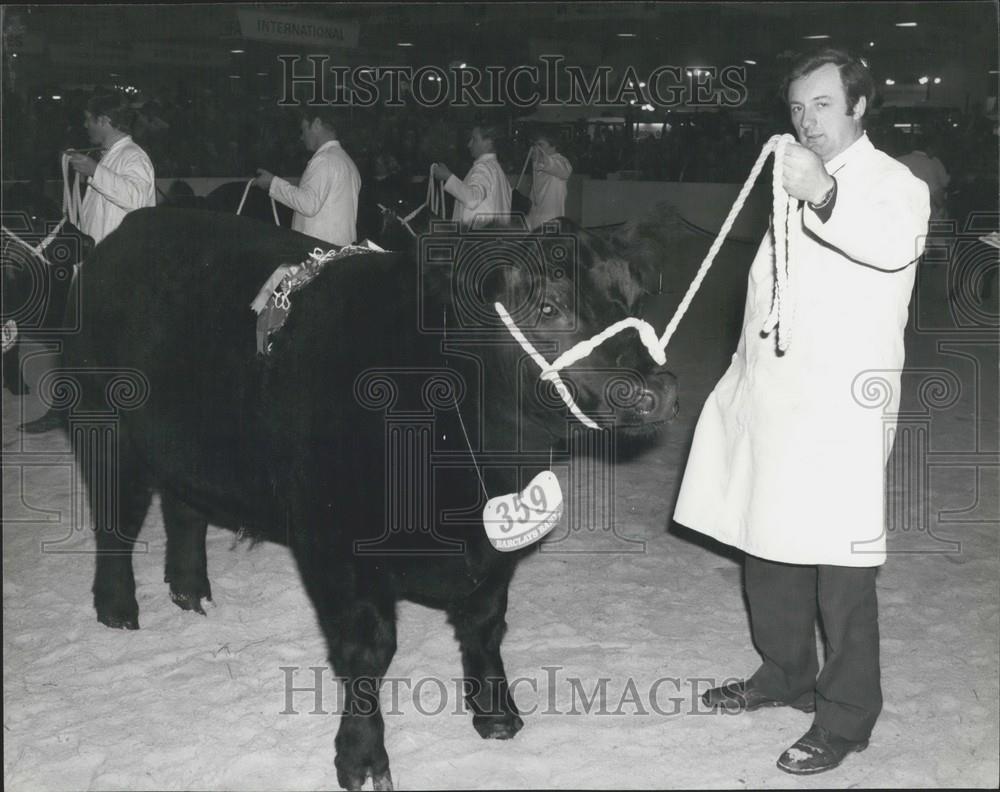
[818,750]
[740,697]
[53,419]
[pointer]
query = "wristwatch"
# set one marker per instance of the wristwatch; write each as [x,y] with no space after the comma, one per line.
[826,198]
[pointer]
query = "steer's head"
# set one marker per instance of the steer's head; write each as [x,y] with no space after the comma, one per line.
[562,286]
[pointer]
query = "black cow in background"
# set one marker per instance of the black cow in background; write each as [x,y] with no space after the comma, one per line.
[295,444]
[36,285]
[226,198]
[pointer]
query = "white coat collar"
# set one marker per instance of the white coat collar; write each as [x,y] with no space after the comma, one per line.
[858,148]
[487,156]
[327,145]
[118,143]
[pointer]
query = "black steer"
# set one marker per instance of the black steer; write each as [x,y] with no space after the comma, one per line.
[347,439]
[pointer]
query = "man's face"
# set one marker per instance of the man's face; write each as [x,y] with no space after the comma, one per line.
[545,147]
[818,106]
[478,145]
[96,126]
[308,135]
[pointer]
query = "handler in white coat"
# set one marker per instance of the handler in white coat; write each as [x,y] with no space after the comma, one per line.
[789,453]
[325,203]
[485,191]
[550,174]
[123,180]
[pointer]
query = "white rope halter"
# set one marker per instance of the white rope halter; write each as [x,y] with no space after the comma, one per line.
[781,310]
[71,212]
[434,200]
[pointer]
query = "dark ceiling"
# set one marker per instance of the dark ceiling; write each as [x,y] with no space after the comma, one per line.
[956,35]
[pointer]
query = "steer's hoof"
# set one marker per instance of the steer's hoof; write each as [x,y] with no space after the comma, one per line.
[497,727]
[118,611]
[355,780]
[119,621]
[188,602]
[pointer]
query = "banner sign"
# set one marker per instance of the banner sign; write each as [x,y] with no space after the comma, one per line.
[264,26]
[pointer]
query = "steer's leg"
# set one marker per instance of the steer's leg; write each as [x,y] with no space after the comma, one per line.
[187,565]
[357,612]
[479,626]
[119,496]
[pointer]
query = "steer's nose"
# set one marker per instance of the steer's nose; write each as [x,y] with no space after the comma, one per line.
[646,402]
[664,385]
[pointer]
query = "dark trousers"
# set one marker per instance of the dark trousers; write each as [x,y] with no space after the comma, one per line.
[784,602]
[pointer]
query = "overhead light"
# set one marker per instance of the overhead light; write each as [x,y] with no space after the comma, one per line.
[937,80]
[462,65]
[112,74]
[237,51]
[889,81]
[57,97]
[404,43]
[923,80]
[871,43]
[821,36]
[642,85]
[13,55]
[906,24]
[750,62]
[626,35]
[994,71]
[234,76]
[262,74]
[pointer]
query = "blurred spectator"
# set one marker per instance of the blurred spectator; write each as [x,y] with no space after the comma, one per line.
[923,163]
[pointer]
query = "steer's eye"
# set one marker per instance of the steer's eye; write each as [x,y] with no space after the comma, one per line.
[548,309]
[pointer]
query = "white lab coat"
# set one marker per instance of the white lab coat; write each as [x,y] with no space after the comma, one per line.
[326,201]
[485,192]
[548,188]
[124,181]
[789,453]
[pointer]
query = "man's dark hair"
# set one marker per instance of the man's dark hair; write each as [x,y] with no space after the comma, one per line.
[115,107]
[854,74]
[490,131]
[327,116]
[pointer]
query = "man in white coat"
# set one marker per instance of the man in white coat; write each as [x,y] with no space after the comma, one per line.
[551,171]
[789,453]
[485,191]
[120,182]
[123,179]
[325,203]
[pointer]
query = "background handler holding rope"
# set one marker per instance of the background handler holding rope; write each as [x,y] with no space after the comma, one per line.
[789,453]
[326,201]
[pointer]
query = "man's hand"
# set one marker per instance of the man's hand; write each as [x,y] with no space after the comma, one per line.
[441,171]
[81,163]
[263,179]
[804,176]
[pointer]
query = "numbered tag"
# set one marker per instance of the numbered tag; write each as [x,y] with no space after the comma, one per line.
[521,518]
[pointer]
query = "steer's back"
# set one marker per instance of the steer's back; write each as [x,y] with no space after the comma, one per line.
[167,297]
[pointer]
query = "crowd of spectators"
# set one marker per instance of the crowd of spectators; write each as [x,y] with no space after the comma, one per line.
[197,131]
